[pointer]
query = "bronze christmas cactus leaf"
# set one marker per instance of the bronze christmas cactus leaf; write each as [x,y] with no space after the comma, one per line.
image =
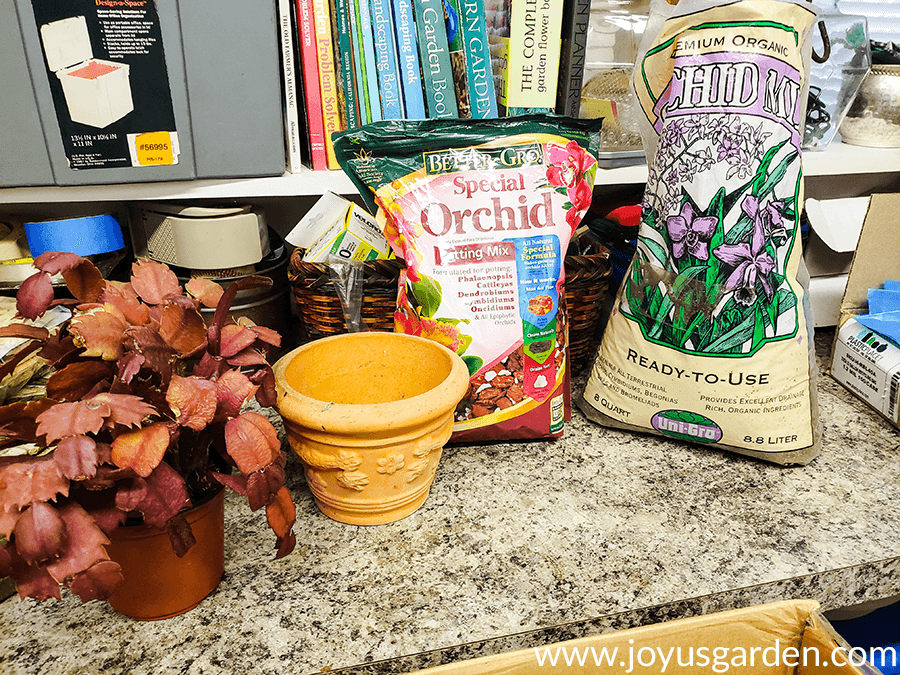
[148,343]
[182,327]
[263,485]
[281,513]
[34,296]
[207,291]
[263,333]
[233,388]
[129,366]
[180,534]
[73,382]
[141,450]
[125,409]
[234,339]
[153,281]
[37,479]
[55,262]
[31,581]
[252,442]
[193,400]
[23,330]
[101,333]
[77,457]
[84,281]
[98,582]
[40,533]
[71,419]
[265,379]
[86,544]
[248,357]
[122,297]
[159,497]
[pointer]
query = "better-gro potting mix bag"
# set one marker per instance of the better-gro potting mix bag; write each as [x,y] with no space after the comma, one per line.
[709,340]
[482,212]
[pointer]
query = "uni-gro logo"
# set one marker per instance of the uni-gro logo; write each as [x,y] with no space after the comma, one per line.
[687,426]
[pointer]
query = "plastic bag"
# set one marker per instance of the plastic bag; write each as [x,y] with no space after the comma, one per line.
[482,212]
[709,340]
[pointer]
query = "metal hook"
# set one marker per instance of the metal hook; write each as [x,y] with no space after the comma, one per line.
[826,43]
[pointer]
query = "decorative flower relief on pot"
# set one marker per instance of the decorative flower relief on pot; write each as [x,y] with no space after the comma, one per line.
[353,480]
[315,480]
[432,442]
[416,469]
[391,464]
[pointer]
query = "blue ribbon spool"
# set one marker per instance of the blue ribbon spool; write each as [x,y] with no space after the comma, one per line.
[84,236]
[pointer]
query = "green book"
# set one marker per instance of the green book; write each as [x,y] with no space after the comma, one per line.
[434,55]
[359,63]
[457,44]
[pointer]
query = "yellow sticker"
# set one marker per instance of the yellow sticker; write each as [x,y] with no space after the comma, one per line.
[598,107]
[154,147]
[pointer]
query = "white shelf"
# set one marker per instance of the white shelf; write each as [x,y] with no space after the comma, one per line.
[838,160]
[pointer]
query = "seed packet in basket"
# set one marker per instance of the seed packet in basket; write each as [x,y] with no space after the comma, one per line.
[709,340]
[482,212]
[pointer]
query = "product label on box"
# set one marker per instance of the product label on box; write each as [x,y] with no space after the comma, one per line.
[357,238]
[107,74]
[869,366]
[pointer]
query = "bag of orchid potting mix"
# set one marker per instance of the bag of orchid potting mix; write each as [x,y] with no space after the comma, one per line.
[709,340]
[482,212]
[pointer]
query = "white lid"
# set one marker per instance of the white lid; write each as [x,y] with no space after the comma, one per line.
[66,42]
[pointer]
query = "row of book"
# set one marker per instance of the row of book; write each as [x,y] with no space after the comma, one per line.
[351,62]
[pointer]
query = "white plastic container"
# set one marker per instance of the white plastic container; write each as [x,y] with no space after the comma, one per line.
[97,92]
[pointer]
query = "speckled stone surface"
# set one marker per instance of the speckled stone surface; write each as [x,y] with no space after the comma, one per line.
[517,545]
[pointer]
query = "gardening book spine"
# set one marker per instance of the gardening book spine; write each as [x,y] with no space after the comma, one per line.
[292,134]
[533,58]
[368,39]
[573,44]
[386,65]
[408,57]
[343,49]
[434,53]
[457,45]
[309,60]
[482,100]
[359,64]
[331,115]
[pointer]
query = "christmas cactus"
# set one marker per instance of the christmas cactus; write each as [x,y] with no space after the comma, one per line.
[144,416]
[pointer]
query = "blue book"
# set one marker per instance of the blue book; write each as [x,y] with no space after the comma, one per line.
[368,38]
[386,63]
[408,56]
[434,53]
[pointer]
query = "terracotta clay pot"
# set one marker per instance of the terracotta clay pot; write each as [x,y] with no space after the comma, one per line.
[368,414]
[158,584]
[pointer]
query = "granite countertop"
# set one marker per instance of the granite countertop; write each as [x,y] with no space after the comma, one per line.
[517,545]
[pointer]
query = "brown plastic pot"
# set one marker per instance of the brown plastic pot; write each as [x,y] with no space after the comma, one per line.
[368,414]
[158,584]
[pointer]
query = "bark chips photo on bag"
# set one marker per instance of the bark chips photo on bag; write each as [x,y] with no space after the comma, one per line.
[709,340]
[482,212]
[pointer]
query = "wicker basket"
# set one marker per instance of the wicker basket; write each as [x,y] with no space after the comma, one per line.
[587,278]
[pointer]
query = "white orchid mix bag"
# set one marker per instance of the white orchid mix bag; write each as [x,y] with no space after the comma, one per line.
[708,341]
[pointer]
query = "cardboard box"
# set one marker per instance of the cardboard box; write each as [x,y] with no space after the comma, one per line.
[835,225]
[781,638]
[357,238]
[865,364]
[335,226]
[99,92]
